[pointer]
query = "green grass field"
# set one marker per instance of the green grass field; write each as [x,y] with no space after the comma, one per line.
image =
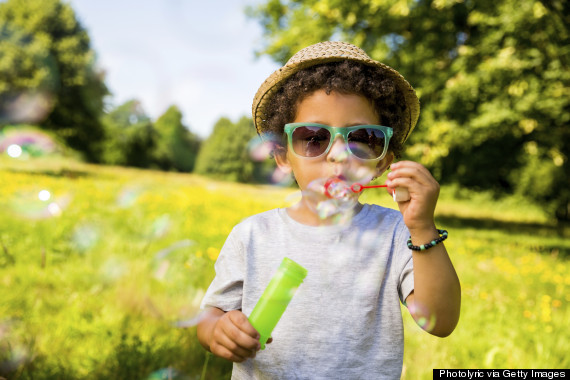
[94,277]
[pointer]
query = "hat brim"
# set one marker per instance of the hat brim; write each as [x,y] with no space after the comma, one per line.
[326,52]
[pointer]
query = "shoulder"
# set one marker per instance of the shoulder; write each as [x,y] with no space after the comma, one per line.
[259,222]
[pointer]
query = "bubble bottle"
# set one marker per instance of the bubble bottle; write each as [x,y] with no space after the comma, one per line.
[275,298]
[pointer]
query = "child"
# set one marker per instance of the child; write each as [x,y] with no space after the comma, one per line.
[344,321]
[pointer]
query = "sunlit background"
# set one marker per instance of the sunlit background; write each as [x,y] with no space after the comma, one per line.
[127,155]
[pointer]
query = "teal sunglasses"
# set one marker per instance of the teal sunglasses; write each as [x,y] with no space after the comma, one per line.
[311,140]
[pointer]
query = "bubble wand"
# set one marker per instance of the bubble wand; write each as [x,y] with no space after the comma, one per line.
[400,194]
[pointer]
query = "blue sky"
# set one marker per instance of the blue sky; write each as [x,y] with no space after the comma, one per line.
[198,55]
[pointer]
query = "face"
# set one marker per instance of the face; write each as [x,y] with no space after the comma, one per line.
[341,111]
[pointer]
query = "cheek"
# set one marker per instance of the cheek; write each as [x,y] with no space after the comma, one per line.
[362,172]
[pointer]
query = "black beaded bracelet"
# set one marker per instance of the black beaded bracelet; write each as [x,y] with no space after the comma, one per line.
[423,247]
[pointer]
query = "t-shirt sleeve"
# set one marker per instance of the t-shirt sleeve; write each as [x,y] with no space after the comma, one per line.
[405,262]
[225,291]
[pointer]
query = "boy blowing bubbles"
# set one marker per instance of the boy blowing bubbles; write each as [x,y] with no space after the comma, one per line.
[345,320]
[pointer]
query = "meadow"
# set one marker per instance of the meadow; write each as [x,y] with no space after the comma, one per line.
[102,270]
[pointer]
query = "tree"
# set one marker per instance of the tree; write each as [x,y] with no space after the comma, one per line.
[130,136]
[177,147]
[46,62]
[493,79]
[224,154]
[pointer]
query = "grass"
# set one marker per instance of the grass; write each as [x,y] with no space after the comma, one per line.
[92,284]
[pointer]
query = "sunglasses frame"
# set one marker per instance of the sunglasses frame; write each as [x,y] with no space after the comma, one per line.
[343,131]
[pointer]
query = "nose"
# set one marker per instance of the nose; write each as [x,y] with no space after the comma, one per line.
[338,151]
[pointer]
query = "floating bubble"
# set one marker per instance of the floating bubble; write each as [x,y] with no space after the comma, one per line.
[423,317]
[329,199]
[281,178]
[171,294]
[160,226]
[14,353]
[113,269]
[85,236]
[128,196]
[24,142]
[162,260]
[14,151]
[23,100]
[27,107]
[261,148]
[44,195]
[167,374]
[38,204]
[335,198]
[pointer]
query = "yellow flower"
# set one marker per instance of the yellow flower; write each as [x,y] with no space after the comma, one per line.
[527,314]
[556,303]
[212,253]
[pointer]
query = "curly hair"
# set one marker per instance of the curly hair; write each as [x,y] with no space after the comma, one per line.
[346,77]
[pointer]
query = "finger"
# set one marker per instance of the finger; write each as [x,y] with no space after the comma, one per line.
[232,346]
[240,320]
[416,172]
[223,352]
[238,335]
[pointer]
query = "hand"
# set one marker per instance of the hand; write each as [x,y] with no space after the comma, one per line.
[418,211]
[234,338]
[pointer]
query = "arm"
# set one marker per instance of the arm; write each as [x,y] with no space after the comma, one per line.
[437,292]
[228,335]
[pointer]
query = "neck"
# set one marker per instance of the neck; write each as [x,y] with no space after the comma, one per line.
[304,214]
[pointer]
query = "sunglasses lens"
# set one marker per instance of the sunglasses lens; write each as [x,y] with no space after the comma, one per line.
[310,141]
[367,143]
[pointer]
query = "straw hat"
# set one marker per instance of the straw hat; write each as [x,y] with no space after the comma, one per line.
[324,52]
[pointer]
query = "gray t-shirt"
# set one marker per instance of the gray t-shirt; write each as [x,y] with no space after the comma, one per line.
[344,321]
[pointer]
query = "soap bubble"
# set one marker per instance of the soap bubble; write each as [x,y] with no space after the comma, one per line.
[24,142]
[329,197]
[160,226]
[128,196]
[113,269]
[42,204]
[265,169]
[14,352]
[168,373]
[22,101]
[28,106]
[261,149]
[85,236]
[423,317]
[170,293]
[14,151]
[334,198]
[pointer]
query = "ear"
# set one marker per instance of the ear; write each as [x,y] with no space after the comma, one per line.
[280,154]
[384,163]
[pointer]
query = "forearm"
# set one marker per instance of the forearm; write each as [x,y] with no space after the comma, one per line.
[206,326]
[437,291]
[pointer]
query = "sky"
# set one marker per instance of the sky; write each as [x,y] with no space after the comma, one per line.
[197,55]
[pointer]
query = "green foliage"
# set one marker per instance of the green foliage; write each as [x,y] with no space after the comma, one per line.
[130,136]
[224,155]
[177,147]
[493,79]
[46,63]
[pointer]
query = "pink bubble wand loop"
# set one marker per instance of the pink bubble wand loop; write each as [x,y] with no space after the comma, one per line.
[400,194]
[358,188]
